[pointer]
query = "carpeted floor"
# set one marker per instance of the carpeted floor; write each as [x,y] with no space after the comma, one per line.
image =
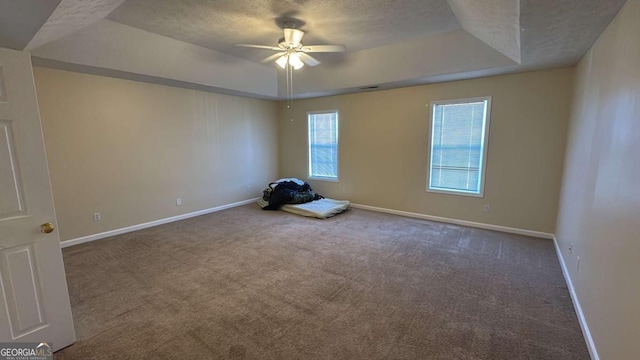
[251,284]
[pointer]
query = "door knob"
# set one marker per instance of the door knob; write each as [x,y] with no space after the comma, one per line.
[46,228]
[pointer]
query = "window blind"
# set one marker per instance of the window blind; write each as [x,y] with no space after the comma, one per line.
[323,145]
[457,146]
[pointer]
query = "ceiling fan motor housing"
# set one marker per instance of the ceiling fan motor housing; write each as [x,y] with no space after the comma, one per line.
[293,37]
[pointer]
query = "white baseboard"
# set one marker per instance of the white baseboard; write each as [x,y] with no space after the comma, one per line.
[591,346]
[127,229]
[506,229]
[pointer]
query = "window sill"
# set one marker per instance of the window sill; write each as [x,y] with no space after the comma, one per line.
[322,179]
[454,192]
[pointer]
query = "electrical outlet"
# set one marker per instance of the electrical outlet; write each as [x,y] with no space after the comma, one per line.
[570,249]
[178,201]
[97,217]
[248,187]
[578,264]
[485,208]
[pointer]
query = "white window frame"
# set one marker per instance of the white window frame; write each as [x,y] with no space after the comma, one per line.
[485,145]
[309,174]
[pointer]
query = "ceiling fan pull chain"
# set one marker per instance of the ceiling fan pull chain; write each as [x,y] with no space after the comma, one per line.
[291,93]
[289,71]
[286,71]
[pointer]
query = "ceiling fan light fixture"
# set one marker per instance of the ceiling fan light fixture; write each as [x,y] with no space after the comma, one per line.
[294,60]
[282,61]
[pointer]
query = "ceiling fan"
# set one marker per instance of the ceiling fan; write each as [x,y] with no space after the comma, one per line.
[290,49]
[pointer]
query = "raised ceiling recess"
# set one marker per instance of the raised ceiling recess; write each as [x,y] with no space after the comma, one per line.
[191,42]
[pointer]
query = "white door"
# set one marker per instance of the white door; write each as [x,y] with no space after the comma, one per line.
[34,300]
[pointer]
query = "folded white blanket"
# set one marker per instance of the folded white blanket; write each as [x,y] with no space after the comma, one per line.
[321,209]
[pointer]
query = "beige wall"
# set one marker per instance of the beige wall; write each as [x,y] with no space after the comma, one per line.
[600,202]
[383,148]
[129,149]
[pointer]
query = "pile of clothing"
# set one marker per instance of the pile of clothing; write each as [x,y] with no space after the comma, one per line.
[287,191]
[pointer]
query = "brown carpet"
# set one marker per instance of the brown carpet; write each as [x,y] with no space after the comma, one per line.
[251,284]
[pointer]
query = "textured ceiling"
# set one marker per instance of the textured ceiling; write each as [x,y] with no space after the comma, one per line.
[217,25]
[389,43]
[72,15]
[497,25]
[559,32]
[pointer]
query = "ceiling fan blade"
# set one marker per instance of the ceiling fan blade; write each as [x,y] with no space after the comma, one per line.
[293,36]
[324,48]
[274,48]
[308,59]
[273,57]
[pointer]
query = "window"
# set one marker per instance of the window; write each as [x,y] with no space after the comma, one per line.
[323,145]
[459,134]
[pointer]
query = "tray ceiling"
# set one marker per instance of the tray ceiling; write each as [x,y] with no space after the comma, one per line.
[389,43]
